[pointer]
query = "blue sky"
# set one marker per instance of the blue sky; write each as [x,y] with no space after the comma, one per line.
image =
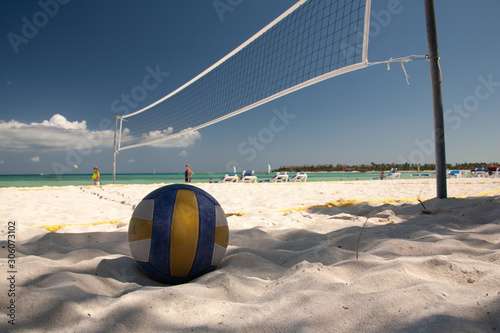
[61,78]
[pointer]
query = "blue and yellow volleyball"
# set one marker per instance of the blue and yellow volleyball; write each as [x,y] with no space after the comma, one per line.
[178,233]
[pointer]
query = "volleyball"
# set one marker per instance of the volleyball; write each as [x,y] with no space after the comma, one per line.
[177,233]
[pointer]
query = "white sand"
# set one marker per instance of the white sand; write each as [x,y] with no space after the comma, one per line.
[285,270]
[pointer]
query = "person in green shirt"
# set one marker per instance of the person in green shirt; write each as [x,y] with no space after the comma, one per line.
[96,177]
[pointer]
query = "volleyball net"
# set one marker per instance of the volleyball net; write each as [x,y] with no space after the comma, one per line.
[312,41]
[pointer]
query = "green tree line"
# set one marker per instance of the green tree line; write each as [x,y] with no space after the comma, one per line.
[380,167]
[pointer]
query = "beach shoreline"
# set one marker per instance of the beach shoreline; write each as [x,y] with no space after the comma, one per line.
[167,178]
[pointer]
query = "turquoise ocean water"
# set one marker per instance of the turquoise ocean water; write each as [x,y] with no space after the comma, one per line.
[166,178]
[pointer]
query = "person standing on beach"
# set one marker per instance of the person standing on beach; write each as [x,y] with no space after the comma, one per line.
[188,174]
[96,177]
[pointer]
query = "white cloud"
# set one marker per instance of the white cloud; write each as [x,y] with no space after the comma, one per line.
[35,159]
[183,153]
[58,133]
[59,121]
[50,135]
[186,139]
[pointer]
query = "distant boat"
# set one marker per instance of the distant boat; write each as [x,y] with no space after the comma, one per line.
[269,168]
[234,169]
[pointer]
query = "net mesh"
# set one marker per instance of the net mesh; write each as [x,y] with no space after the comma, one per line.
[314,40]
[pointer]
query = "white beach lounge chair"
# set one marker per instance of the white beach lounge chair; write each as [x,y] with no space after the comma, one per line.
[393,174]
[299,177]
[480,172]
[279,177]
[228,178]
[248,177]
[496,173]
[455,173]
